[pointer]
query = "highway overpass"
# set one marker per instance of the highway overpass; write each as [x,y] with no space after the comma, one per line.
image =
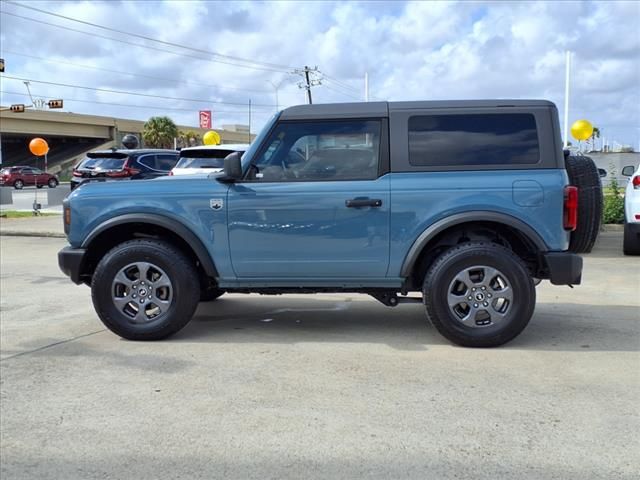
[71,135]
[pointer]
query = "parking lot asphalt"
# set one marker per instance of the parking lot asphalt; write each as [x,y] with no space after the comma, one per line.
[319,386]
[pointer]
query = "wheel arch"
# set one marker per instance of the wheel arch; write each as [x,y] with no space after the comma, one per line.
[125,227]
[502,223]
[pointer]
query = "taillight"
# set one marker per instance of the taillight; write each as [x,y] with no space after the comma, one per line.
[570,218]
[636,181]
[171,173]
[76,174]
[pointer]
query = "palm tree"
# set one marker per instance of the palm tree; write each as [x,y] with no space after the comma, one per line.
[188,138]
[159,132]
[594,135]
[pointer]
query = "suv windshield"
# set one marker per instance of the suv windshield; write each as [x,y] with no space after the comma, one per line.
[203,159]
[102,163]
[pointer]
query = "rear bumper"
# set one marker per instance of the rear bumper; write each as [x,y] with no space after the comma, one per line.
[70,261]
[563,268]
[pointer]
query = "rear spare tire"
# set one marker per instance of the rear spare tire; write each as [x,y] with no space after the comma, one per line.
[583,174]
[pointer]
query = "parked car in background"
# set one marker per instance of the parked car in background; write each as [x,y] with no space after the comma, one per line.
[21,176]
[631,242]
[123,164]
[205,159]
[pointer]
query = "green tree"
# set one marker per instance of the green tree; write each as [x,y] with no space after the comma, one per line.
[159,132]
[594,135]
[188,138]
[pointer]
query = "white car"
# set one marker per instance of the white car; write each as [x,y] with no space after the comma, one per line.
[205,158]
[631,243]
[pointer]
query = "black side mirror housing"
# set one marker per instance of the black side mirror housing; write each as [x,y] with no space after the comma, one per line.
[628,171]
[232,168]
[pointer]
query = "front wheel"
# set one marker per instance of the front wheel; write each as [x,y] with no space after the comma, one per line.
[145,290]
[479,294]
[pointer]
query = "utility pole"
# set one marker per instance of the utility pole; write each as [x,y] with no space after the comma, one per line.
[308,82]
[567,79]
[249,120]
[366,86]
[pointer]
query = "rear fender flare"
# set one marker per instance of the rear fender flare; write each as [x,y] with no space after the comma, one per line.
[467,217]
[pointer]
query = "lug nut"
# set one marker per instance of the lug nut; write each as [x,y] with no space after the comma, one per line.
[134,295]
[469,298]
[485,304]
[475,305]
[489,295]
[484,288]
[473,289]
[135,286]
[142,300]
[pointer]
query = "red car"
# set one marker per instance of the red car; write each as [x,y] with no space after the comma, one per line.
[18,177]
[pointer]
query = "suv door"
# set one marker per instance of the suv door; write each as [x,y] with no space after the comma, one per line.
[28,176]
[314,203]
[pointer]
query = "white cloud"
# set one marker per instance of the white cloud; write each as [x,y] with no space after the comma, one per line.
[414,50]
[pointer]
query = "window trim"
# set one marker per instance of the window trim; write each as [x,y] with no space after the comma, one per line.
[383,150]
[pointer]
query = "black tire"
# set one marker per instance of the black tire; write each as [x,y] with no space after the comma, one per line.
[53,183]
[630,242]
[173,264]
[39,186]
[583,174]
[18,184]
[441,278]
[210,294]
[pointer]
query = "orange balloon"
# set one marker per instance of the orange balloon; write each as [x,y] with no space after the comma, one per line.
[39,146]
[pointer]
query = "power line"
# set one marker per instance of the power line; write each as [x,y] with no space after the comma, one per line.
[256,64]
[341,91]
[149,47]
[129,105]
[122,92]
[90,67]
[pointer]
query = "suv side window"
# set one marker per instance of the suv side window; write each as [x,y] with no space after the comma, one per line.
[148,161]
[165,162]
[473,140]
[319,151]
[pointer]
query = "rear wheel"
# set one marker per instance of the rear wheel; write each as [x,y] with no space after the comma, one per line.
[53,183]
[583,174]
[479,294]
[145,290]
[631,241]
[18,184]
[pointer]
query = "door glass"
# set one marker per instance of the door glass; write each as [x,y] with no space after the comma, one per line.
[320,151]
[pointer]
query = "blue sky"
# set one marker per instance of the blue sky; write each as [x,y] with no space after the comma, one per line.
[411,50]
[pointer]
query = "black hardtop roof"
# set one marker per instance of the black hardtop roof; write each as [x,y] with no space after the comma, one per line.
[377,109]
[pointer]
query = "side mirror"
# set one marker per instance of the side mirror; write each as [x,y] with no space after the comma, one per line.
[602,172]
[232,168]
[628,171]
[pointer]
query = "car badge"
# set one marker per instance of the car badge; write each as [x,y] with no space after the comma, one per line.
[216,203]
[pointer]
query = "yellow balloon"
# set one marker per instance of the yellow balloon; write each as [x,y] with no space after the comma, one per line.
[581,129]
[211,138]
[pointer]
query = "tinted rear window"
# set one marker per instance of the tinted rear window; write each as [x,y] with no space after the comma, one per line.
[473,140]
[203,159]
[102,163]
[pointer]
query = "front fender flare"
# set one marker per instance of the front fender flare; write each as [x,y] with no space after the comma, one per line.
[169,223]
[466,217]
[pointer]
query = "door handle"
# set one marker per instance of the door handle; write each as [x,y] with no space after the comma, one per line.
[363,202]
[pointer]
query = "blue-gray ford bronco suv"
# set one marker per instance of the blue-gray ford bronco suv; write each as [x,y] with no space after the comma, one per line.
[467,202]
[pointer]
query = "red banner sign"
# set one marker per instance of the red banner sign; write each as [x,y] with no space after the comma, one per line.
[205,118]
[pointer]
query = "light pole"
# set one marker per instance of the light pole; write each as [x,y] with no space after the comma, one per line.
[275,88]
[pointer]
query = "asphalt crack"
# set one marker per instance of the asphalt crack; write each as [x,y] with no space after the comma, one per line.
[61,342]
